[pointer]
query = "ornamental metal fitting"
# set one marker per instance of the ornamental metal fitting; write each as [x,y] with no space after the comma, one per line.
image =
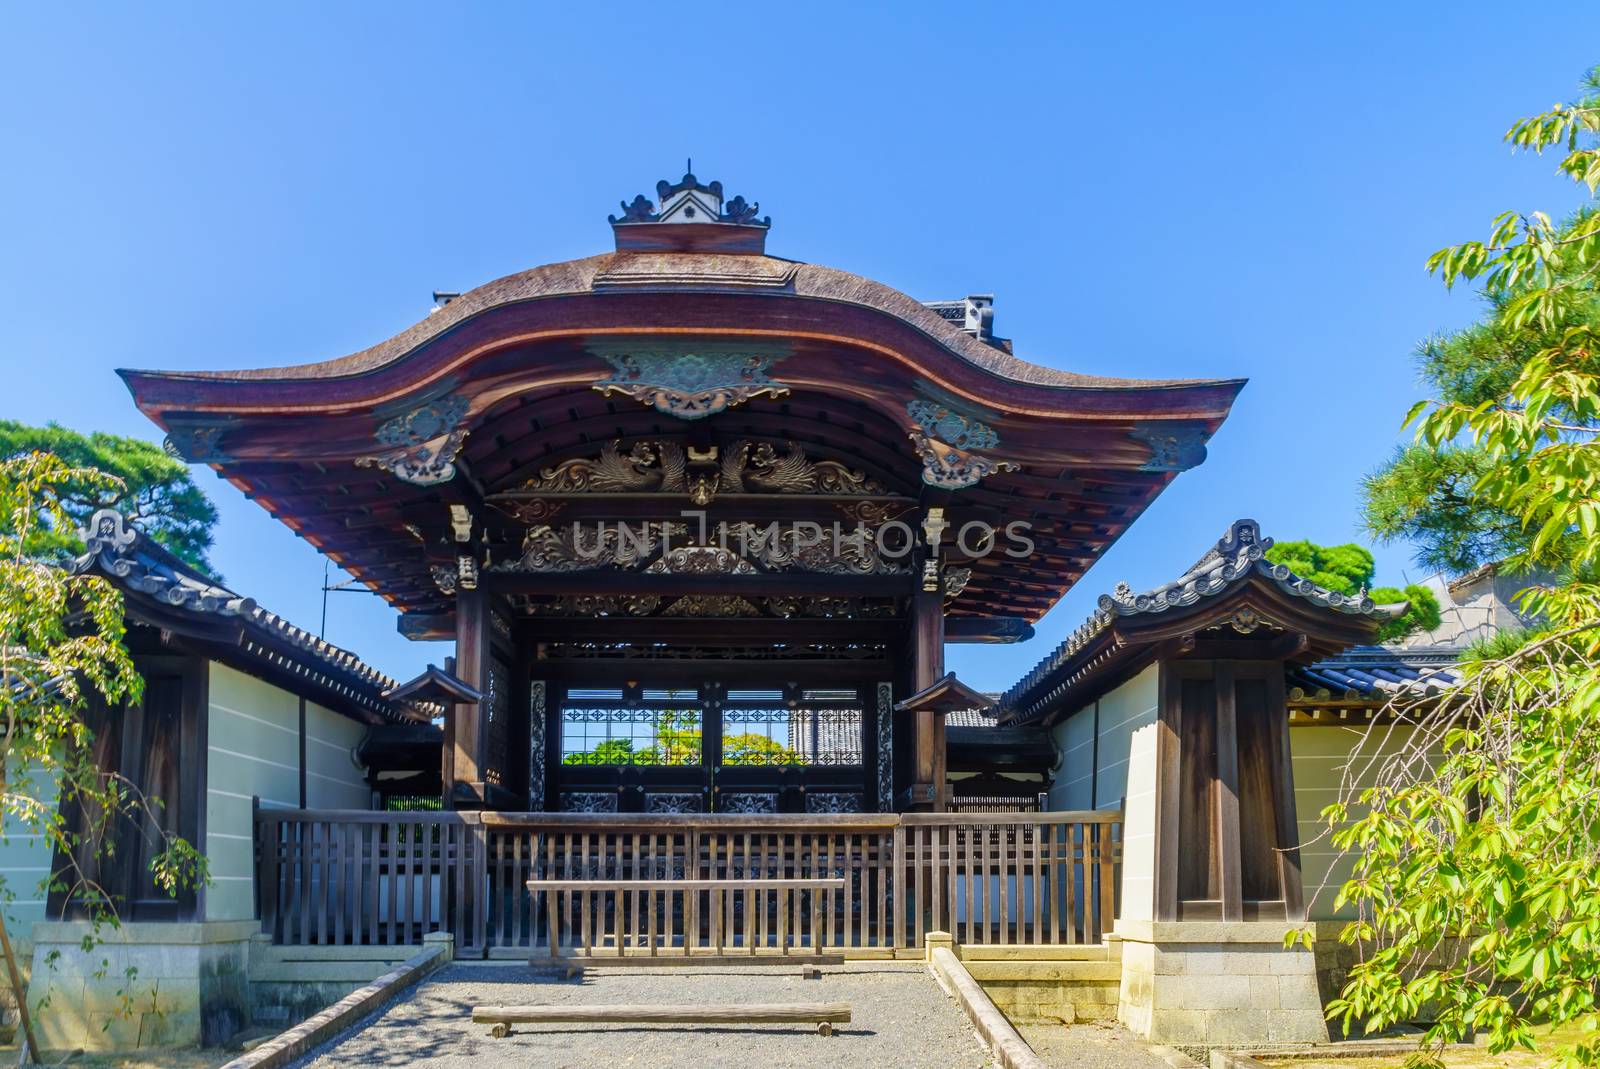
[198,441]
[423,443]
[945,440]
[691,381]
[1174,446]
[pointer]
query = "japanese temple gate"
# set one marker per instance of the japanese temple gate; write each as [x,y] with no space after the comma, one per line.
[700,521]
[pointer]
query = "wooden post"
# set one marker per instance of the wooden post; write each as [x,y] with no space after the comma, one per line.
[20,991]
[1227,797]
[1283,800]
[472,665]
[927,667]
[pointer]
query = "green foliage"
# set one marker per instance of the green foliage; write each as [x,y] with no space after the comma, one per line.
[1501,645]
[753,749]
[150,487]
[1476,846]
[1342,569]
[61,646]
[1348,569]
[678,742]
[1422,610]
[1426,496]
[1538,282]
[1474,870]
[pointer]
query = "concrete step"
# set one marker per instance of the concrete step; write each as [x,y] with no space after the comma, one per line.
[337,952]
[358,971]
[1034,952]
[1055,972]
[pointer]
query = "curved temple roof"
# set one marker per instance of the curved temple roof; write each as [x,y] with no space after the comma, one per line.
[943,352]
[688,320]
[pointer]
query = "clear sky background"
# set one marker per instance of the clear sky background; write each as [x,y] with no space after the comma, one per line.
[1150,190]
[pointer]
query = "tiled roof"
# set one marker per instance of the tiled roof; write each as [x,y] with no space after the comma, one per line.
[1375,673]
[969,718]
[1240,550]
[136,562]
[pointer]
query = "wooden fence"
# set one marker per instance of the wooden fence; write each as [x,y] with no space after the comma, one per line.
[353,877]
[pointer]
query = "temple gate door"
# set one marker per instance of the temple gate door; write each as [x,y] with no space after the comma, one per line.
[635,748]
[713,748]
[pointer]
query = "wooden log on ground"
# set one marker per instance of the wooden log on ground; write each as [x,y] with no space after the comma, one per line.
[676,960]
[822,1014]
[821,883]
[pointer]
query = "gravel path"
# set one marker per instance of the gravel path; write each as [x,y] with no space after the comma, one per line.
[1093,1045]
[901,1020]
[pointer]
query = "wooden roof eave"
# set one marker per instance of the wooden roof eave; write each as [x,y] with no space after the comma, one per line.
[231,641]
[945,695]
[564,322]
[1130,644]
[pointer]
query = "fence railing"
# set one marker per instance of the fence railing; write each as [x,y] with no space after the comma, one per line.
[386,878]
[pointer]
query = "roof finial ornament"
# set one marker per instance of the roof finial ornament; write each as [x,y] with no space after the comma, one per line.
[692,217]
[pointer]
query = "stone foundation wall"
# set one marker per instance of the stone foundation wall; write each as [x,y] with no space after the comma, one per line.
[289,984]
[190,984]
[1205,983]
[1052,1001]
[1039,984]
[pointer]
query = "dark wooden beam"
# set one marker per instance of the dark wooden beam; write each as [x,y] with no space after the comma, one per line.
[686,631]
[993,629]
[766,584]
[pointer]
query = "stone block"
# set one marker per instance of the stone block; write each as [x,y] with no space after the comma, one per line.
[1292,962]
[1299,990]
[177,995]
[1167,962]
[73,961]
[1056,972]
[1264,992]
[160,962]
[169,1030]
[1302,1025]
[1096,994]
[223,960]
[1178,1026]
[57,990]
[62,1026]
[118,996]
[111,1031]
[1201,992]
[1233,1028]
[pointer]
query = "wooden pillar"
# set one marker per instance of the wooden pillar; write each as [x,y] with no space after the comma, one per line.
[927,668]
[472,666]
[1226,819]
[1225,738]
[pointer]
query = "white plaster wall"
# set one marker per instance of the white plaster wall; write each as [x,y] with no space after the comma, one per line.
[1126,777]
[1128,717]
[253,750]
[1320,755]
[333,779]
[25,859]
[1074,741]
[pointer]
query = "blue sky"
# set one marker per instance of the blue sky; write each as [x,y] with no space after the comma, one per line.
[1149,190]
